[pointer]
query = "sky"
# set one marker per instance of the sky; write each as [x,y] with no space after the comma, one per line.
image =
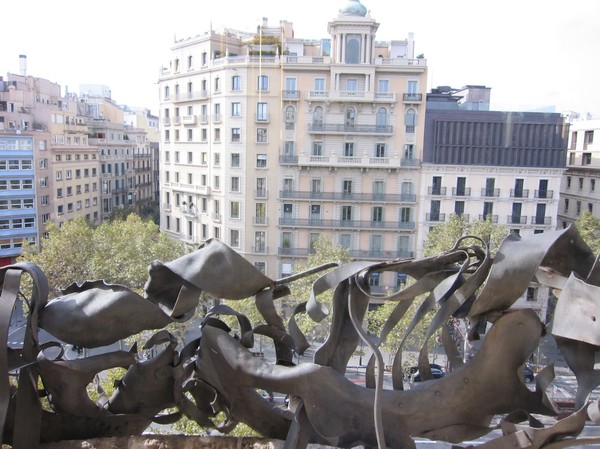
[532,53]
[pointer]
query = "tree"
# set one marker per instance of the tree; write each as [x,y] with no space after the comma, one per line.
[118,252]
[588,226]
[443,236]
[324,251]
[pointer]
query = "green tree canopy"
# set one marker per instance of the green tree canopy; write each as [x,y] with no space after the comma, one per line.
[119,252]
[588,226]
[324,251]
[443,236]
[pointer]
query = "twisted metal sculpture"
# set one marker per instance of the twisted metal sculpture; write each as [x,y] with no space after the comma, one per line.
[218,373]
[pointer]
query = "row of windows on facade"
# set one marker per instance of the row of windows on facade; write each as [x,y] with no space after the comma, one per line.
[16,223]
[516,216]
[290,85]
[490,190]
[317,124]
[289,148]
[70,157]
[16,243]
[347,185]
[590,207]
[588,139]
[78,205]
[346,212]
[23,144]
[592,183]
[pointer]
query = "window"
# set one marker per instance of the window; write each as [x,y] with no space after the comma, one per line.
[381,119]
[568,182]
[261,161]
[530,295]
[405,214]
[319,84]
[235,184]
[592,185]
[235,209]
[350,118]
[347,187]
[217,84]
[217,160]
[261,112]
[263,82]
[586,159]
[260,242]
[346,213]
[235,159]
[317,149]
[288,185]
[383,85]
[409,151]
[578,207]
[234,238]
[236,83]
[316,185]
[377,214]
[261,187]
[236,109]
[580,183]
[217,135]
[566,204]
[349,149]
[261,213]
[261,135]
[217,183]
[235,134]
[380,150]
[410,120]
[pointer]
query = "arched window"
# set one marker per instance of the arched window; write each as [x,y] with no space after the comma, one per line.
[353,50]
[410,120]
[350,117]
[290,117]
[381,118]
[290,114]
[318,117]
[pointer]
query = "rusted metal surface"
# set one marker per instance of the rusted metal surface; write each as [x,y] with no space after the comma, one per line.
[218,373]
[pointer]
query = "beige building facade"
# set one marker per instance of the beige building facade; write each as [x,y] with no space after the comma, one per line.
[269,141]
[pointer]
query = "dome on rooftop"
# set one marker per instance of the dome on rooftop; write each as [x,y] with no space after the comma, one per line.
[353,8]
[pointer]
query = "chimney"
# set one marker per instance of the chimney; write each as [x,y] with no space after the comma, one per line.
[23,65]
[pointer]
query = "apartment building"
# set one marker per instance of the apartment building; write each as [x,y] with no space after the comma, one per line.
[505,166]
[580,189]
[269,141]
[61,170]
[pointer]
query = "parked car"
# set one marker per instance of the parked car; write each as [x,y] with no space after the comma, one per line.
[437,373]
[413,372]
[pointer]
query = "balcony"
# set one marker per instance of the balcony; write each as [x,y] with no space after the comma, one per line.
[380,254]
[350,96]
[288,160]
[345,224]
[189,119]
[492,218]
[291,94]
[307,59]
[544,221]
[490,193]
[354,197]
[465,217]
[176,120]
[412,98]
[324,128]
[349,161]
[410,162]
[519,193]
[260,221]
[262,118]
[190,96]
[260,249]
[435,217]
[466,191]
[436,190]
[294,252]
[543,194]
[516,219]
[191,188]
